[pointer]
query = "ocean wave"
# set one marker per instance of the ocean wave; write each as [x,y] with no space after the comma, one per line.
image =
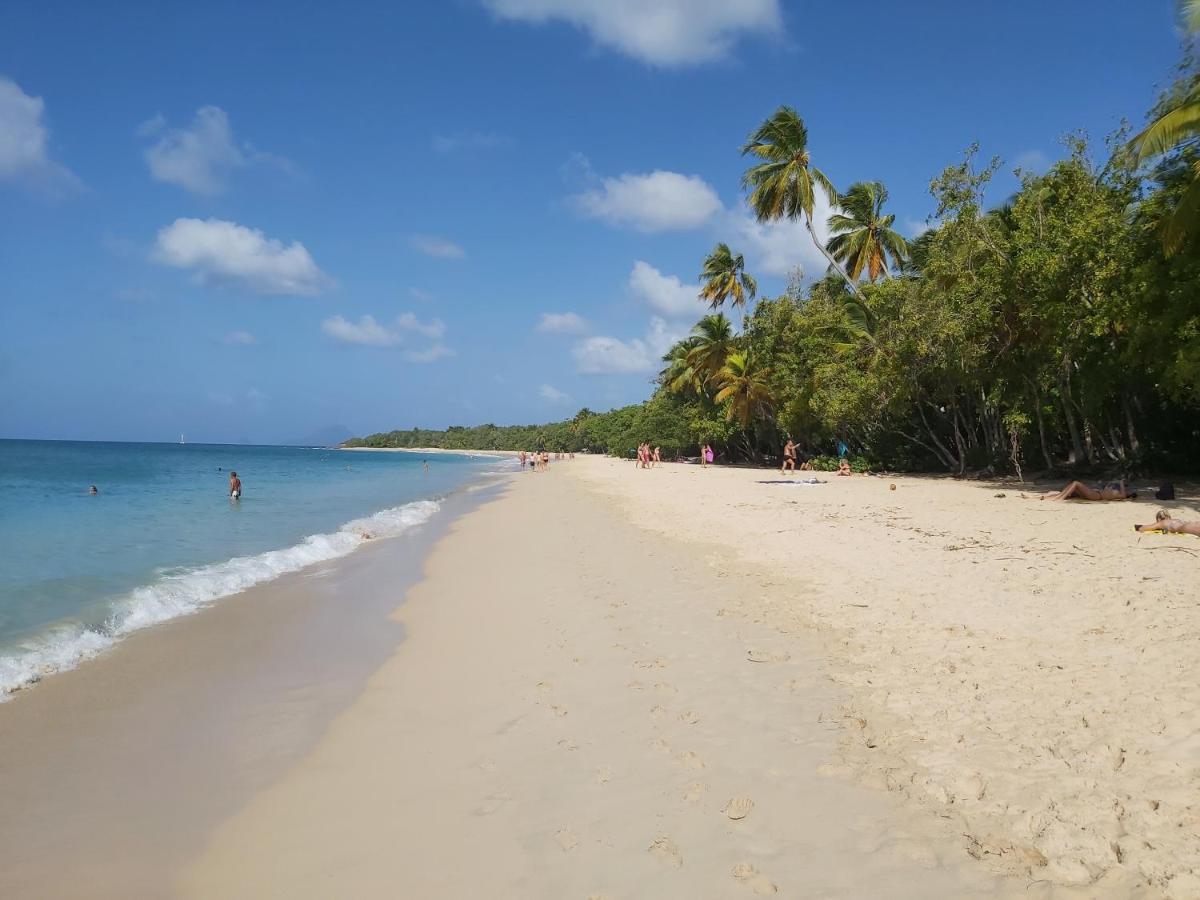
[183,592]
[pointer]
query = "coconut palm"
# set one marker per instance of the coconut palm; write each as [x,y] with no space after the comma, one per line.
[680,375]
[784,183]
[863,239]
[1169,131]
[743,384]
[712,342]
[725,278]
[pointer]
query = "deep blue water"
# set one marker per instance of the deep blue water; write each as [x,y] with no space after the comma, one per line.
[162,537]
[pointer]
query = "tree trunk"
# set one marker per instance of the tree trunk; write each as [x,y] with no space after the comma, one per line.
[946,455]
[1129,429]
[833,262]
[1077,451]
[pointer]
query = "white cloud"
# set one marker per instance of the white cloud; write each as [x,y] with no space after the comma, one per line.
[914,227]
[221,252]
[418,294]
[472,140]
[562,323]
[777,248]
[437,247]
[657,32]
[24,155]
[434,328]
[369,332]
[552,394]
[432,354]
[612,356]
[365,331]
[243,338]
[658,201]
[196,158]
[664,293]
[1034,161]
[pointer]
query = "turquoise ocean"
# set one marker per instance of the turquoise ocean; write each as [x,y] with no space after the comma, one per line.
[162,538]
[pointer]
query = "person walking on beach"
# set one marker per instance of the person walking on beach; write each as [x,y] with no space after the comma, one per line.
[789,457]
[235,486]
[657,456]
[521,460]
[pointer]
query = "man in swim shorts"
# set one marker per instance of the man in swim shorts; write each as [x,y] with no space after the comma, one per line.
[235,486]
[789,457]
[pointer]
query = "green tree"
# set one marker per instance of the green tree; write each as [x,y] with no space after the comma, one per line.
[863,238]
[724,277]
[712,340]
[783,184]
[744,388]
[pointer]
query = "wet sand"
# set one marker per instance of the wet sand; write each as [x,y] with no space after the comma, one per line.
[113,773]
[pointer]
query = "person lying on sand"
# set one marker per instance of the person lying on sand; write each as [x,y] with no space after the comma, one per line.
[1077,490]
[1164,522]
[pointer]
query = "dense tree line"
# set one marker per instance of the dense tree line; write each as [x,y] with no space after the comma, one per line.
[1059,329]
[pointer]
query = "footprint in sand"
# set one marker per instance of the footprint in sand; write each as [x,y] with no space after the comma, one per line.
[488,765]
[665,850]
[558,710]
[749,876]
[660,745]
[761,656]
[694,791]
[492,803]
[690,759]
[566,839]
[656,663]
[657,712]
[545,686]
[604,775]
[739,807]
[687,717]
[567,744]
[636,686]
[663,688]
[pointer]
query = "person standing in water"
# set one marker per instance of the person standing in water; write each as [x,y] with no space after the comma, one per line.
[235,486]
[425,465]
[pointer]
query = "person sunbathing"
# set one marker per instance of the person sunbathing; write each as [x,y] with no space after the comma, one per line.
[844,467]
[1077,490]
[1165,523]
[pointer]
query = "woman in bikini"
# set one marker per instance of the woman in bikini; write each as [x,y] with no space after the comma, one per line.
[1164,522]
[1077,490]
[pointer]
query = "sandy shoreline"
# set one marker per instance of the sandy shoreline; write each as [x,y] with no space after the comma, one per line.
[431,451]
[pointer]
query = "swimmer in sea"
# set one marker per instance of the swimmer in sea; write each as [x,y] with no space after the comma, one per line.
[93,490]
[235,486]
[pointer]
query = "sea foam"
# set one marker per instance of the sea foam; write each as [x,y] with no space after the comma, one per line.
[185,591]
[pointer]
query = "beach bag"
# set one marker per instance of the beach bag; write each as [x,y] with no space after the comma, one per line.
[1166,492]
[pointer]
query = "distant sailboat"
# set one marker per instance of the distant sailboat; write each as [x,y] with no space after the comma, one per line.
[181,440]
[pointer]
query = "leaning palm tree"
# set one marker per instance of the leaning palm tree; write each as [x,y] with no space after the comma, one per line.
[784,183]
[743,384]
[725,278]
[1169,131]
[863,239]
[712,341]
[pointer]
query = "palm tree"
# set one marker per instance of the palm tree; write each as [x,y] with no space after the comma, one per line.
[863,239]
[784,184]
[712,342]
[725,278]
[1169,131]
[744,385]
[680,376]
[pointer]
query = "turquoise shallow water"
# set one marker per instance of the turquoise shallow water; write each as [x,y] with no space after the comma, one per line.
[162,538]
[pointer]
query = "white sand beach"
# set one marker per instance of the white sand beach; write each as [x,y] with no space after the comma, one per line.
[687,683]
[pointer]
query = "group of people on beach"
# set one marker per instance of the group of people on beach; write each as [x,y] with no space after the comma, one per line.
[648,457]
[791,454]
[537,461]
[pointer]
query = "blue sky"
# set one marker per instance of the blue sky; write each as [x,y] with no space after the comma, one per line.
[258,221]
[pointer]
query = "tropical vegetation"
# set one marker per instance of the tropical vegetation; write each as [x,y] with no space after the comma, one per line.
[1058,329]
